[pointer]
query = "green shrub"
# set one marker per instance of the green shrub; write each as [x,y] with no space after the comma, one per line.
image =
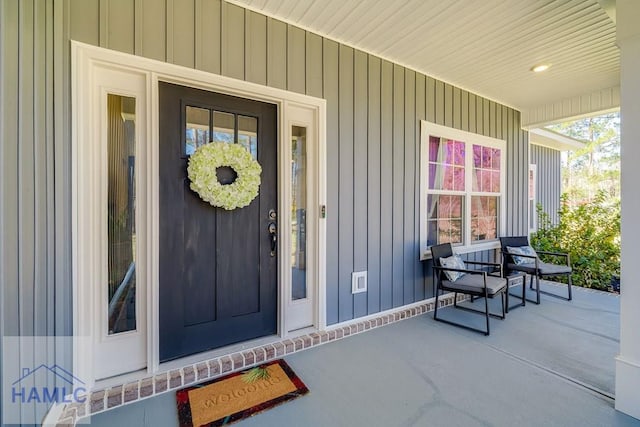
[590,233]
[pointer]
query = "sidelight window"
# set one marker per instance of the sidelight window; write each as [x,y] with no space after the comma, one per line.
[121,146]
[299,212]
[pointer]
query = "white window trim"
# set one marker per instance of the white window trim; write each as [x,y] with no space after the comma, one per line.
[87,250]
[429,128]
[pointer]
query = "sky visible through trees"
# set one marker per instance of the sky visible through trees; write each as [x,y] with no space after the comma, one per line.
[596,167]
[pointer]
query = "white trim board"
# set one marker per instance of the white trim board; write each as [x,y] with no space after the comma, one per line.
[86,61]
[550,139]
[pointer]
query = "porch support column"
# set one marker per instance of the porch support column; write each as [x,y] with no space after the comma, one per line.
[628,361]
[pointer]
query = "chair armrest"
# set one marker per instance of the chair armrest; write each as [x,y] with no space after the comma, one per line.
[507,253]
[524,256]
[496,265]
[460,270]
[558,254]
[535,258]
[553,253]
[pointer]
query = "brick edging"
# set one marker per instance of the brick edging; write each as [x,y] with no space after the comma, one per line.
[103,400]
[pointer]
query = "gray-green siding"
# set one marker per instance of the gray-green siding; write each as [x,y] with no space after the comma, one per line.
[35,185]
[549,180]
[373,113]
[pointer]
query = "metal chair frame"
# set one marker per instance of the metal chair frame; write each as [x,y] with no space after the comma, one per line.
[441,251]
[506,256]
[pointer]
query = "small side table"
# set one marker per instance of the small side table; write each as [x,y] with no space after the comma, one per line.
[516,279]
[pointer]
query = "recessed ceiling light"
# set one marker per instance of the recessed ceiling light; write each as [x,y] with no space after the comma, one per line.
[540,68]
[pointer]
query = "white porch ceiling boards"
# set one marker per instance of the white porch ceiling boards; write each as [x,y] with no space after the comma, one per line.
[485,46]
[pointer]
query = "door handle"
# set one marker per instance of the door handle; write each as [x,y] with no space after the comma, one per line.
[273,236]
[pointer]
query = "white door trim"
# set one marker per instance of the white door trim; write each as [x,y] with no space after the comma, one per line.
[86,60]
[302,313]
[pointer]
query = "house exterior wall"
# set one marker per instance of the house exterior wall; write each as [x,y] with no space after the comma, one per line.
[35,186]
[374,108]
[549,180]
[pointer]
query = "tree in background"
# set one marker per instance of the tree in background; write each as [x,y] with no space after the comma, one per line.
[596,167]
[589,218]
[590,234]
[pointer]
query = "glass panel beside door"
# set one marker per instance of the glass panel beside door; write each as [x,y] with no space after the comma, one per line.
[298,213]
[121,147]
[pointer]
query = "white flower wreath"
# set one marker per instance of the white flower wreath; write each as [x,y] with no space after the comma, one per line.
[204,180]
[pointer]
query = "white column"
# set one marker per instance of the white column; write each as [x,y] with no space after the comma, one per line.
[628,361]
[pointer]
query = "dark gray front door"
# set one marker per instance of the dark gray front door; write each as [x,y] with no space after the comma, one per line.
[217,271]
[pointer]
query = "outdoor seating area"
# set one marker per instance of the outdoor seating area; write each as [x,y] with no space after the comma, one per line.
[487,280]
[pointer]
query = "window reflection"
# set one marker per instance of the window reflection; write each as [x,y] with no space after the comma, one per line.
[486,168]
[197,128]
[463,175]
[485,179]
[121,229]
[484,218]
[446,164]
[248,134]
[224,125]
[299,212]
[444,219]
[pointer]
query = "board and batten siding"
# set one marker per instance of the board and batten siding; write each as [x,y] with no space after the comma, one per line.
[374,108]
[35,183]
[549,181]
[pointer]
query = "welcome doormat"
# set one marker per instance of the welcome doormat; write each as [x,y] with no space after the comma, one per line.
[238,395]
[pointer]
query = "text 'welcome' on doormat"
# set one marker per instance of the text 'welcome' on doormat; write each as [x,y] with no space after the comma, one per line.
[238,395]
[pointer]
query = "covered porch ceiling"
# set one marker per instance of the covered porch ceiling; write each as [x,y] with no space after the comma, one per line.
[487,47]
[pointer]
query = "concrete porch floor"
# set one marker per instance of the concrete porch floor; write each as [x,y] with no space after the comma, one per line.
[550,364]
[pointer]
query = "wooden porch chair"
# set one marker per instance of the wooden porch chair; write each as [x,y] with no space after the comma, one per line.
[518,256]
[453,275]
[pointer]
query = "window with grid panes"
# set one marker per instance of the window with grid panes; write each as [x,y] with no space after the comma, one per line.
[462,188]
